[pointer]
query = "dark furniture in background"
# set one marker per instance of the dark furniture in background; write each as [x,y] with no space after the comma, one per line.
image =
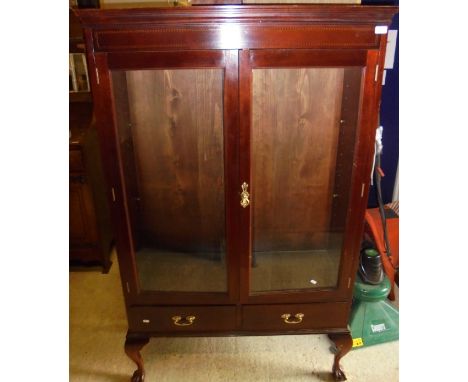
[90,234]
[233,133]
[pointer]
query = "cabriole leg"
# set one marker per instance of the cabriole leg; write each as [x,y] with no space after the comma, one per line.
[343,343]
[133,344]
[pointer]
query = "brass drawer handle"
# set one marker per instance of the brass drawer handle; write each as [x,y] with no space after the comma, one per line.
[298,318]
[244,195]
[179,321]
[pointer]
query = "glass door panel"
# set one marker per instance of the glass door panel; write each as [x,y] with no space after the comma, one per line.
[170,127]
[303,132]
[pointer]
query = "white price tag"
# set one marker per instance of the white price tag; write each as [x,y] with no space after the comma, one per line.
[381,29]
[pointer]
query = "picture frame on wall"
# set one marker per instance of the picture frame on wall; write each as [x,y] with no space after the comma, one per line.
[78,73]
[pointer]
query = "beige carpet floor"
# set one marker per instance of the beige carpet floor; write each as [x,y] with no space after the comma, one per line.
[98,328]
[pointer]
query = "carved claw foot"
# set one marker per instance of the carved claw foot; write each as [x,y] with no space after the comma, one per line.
[338,374]
[133,345]
[138,376]
[343,343]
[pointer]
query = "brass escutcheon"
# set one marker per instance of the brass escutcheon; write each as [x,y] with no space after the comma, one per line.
[244,195]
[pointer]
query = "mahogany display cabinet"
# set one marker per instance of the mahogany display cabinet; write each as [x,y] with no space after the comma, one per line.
[238,143]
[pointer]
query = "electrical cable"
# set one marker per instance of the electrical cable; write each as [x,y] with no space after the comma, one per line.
[378,186]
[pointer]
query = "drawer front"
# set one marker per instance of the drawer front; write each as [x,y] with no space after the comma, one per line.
[76,161]
[295,317]
[182,318]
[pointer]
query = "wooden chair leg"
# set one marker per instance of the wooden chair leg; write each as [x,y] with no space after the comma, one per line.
[343,343]
[133,344]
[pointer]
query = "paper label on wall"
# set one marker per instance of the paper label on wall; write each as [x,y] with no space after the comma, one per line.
[391,49]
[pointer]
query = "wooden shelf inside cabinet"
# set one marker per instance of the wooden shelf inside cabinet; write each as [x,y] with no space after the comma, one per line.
[241,144]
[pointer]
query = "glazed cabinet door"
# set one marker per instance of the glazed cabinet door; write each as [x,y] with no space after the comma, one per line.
[175,120]
[301,128]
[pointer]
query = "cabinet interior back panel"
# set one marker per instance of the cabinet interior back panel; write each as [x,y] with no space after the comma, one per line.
[295,131]
[176,134]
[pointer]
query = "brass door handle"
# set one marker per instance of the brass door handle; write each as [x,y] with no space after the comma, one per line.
[297,318]
[244,195]
[179,321]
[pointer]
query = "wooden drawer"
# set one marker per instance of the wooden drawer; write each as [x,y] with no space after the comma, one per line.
[76,160]
[162,319]
[315,316]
